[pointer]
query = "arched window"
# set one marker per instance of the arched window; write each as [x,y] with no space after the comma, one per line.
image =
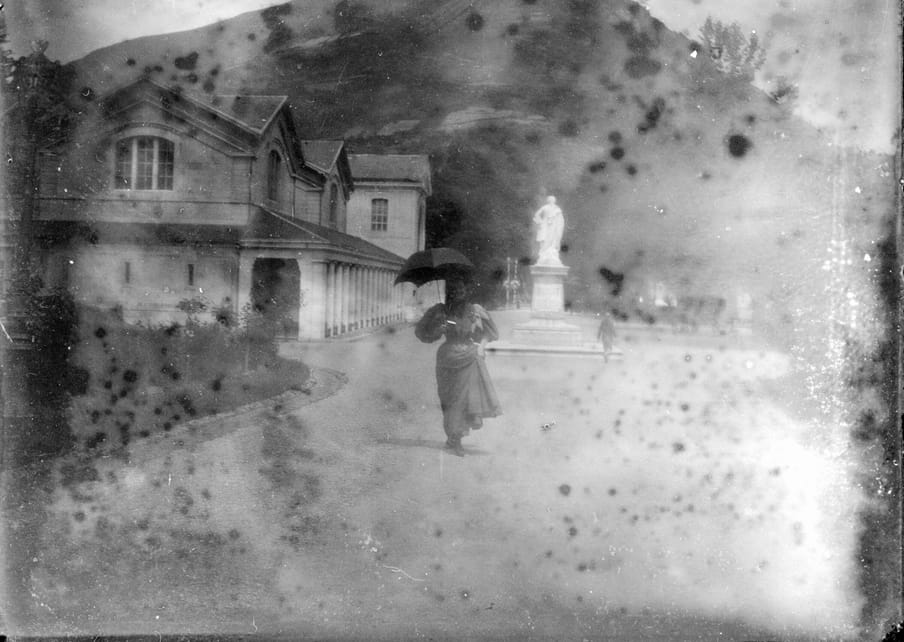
[334,204]
[273,171]
[144,162]
[379,214]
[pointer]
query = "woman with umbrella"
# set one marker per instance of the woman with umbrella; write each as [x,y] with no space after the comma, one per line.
[466,393]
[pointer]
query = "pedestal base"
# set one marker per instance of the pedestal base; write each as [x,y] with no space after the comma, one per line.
[547,331]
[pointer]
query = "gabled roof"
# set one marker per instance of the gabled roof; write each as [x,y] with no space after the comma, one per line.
[322,154]
[269,227]
[326,155]
[241,120]
[254,112]
[410,168]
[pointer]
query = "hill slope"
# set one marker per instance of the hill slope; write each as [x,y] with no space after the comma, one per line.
[668,169]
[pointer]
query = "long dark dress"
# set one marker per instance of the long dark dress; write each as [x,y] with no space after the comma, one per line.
[466,393]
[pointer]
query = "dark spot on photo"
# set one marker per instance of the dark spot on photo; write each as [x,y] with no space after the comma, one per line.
[738,145]
[617,153]
[652,116]
[569,128]
[597,167]
[565,489]
[186,63]
[640,66]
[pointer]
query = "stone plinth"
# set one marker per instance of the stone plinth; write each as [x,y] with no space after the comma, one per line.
[549,332]
[549,289]
[547,325]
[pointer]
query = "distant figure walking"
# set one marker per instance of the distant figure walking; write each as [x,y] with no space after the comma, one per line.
[466,394]
[550,226]
[606,332]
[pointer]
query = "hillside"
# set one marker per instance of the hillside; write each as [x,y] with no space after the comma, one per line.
[668,169]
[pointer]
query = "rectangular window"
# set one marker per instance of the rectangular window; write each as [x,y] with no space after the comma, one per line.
[145,163]
[127,273]
[273,172]
[123,178]
[144,169]
[191,273]
[164,164]
[379,215]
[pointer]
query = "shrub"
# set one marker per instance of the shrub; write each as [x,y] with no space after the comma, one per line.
[147,380]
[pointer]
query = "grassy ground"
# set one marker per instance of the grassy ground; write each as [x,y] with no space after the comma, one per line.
[143,382]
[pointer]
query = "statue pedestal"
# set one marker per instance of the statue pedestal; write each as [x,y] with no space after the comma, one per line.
[547,325]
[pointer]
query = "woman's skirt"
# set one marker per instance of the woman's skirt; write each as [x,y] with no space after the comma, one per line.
[466,393]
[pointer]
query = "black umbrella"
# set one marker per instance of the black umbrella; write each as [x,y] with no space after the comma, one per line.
[435,264]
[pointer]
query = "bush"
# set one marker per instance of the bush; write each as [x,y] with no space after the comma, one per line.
[143,381]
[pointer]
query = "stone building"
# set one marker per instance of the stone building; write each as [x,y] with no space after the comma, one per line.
[160,200]
[389,209]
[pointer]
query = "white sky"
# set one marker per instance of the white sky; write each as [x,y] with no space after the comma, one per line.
[76,27]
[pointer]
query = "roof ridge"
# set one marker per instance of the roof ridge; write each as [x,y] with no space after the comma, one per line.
[292,222]
[199,100]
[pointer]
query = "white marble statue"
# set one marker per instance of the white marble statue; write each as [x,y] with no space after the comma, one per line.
[550,225]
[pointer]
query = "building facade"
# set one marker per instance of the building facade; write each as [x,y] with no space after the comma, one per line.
[389,209]
[160,202]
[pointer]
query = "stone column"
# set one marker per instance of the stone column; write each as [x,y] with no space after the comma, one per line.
[313,309]
[243,293]
[384,277]
[343,298]
[350,295]
[372,305]
[366,298]
[334,320]
[328,296]
[354,316]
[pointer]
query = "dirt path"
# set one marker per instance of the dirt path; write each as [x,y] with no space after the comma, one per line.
[628,500]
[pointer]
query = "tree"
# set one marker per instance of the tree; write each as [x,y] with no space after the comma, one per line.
[732,53]
[36,112]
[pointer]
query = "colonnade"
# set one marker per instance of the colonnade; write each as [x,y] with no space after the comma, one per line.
[358,297]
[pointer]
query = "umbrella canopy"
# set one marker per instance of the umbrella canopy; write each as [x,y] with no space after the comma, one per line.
[435,264]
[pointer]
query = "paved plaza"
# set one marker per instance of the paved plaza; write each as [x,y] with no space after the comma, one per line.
[670,494]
